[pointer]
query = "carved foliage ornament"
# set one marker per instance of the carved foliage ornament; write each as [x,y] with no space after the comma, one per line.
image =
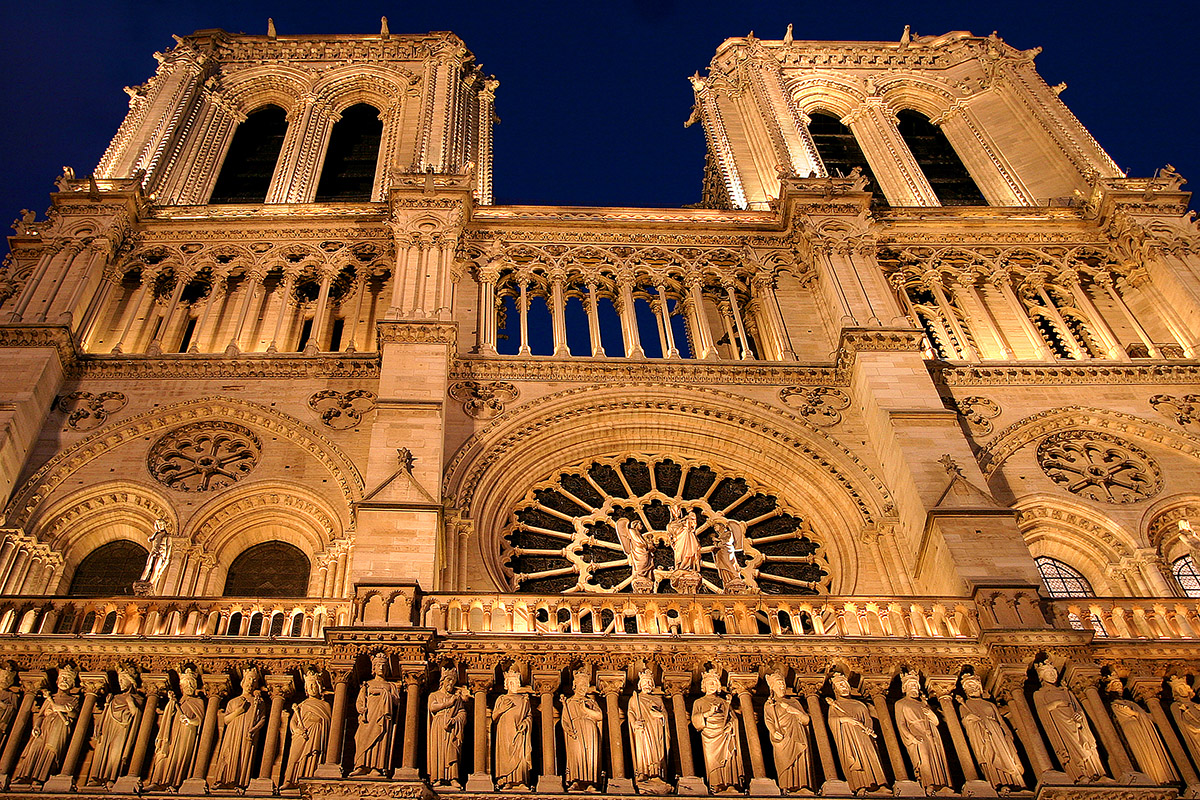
[341,410]
[204,456]
[86,411]
[483,399]
[1099,466]
[821,405]
[977,411]
[1184,410]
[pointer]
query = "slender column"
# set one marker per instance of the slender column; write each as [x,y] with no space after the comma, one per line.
[545,682]
[31,683]
[279,687]
[181,282]
[1148,691]
[559,322]
[332,766]
[810,687]
[398,275]
[665,315]
[743,684]
[285,298]
[1083,681]
[98,247]
[1012,691]
[594,321]
[414,681]
[93,684]
[6,555]
[253,281]
[611,682]
[486,335]
[943,690]
[314,343]
[73,250]
[17,573]
[876,690]
[216,294]
[134,307]
[633,343]
[480,779]
[352,329]
[966,285]
[1106,281]
[1036,284]
[1000,279]
[53,251]
[737,321]
[1070,278]
[704,337]
[677,685]
[523,307]
[934,282]
[1140,279]
[197,783]
[154,686]
[768,302]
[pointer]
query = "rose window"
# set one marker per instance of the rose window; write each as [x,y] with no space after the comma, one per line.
[1099,467]
[657,524]
[204,456]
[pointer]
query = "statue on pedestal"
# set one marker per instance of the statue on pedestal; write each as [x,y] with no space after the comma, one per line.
[720,736]
[241,724]
[378,700]
[43,753]
[156,560]
[787,723]
[918,727]
[116,728]
[447,721]
[10,696]
[649,736]
[178,734]
[854,737]
[730,539]
[1145,743]
[1186,711]
[990,737]
[1066,726]
[513,714]
[581,720]
[681,530]
[309,729]
[639,546]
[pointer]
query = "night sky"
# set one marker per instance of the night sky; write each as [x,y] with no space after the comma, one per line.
[592,96]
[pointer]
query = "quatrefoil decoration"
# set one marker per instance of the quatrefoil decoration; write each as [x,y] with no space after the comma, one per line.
[204,456]
[821,405]
[86,411]
[342,410]
[483,399]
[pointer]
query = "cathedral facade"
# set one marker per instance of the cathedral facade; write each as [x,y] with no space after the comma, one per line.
[872,473]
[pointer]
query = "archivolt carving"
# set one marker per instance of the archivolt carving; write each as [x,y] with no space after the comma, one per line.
[1099,466]
[822,403]
[1164,518]
[1086,527]
[211,528]
[204,456]
[65,522]
[341,469]
[85,410]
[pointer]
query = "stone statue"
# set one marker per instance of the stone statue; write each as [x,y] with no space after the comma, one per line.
[156,559]
[377,704]
[43,754]
[787,724]
[1066,727]
[720,736]
[1186,711]
[24,225]
[513,714]
[447,720]
[990,737]
[730,539]
[581,720]
[649,736]
[309,729]
[1141,735]
[918,727]
[681,530]
[178,735]
[853,735]
[241,724]
[10,696]
[639,546]
[116,729]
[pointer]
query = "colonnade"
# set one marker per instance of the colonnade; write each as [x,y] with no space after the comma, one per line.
[28,566]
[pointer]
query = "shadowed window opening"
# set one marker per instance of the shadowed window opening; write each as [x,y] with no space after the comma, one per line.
[270,569]
[250,163]
[349,171]
[945,171]
[840,152]
[109,570]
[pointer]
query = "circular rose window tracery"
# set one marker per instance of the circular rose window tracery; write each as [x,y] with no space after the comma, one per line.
[1099,466]
[657,523]
[204,456]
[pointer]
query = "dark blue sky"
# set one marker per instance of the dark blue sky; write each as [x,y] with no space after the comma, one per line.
[592,96]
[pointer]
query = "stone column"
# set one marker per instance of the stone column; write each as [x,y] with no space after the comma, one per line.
[810,687]
[545,683]
[744,343]
[93,684]
[743,683]
[181,282]
[131,782]
[1148,691]
[313,345]
[1002,281]
[332,766]
[611,683]
[943,690]
[253,281]
[1082,680]
[625,307]
[480,779]
[703,334]
[31,683]
[934,283]
[1011,689]
[135,306]
[486,313]
[1070,279]
[876,689]
[964,287]
[665,314]
[677,685]
[33,282]
[197,783]
[279,687]
[414,681]
[1105,280]
[594,320]
[523,309]
[558,307]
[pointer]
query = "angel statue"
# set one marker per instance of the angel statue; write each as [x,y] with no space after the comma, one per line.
[730,540]
[639,546]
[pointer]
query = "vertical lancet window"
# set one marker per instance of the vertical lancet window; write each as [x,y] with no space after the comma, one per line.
[352,155]
[840,152]
[250,163]
[945,171]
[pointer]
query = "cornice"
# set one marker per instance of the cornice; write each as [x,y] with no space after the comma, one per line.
[253,365]
[1157,372]
[270,211]
[657,371]
[55,336]
[576,215]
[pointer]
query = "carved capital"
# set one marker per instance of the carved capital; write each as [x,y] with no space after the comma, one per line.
[610,681]
[810,685]
[874,686]
[33,681]
[941,686]
[677,682]
[414,674]
[215,684]
[740,682]
[156,683]
[94,682]
[480,680]
[546,681]
[280,685]
[1148,691]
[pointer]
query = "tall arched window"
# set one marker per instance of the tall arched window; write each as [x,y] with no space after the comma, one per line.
[944,170]
[1062,581]
[270,569]
[839,150]
[349,171]
[250,163]
[109,570]
[1184,570]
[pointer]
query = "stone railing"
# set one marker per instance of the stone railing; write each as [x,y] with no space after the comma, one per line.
[620,614]
[289,618]
[1131,617]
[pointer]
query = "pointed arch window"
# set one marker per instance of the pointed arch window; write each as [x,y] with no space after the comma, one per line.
[352,156]
[109,570]
[1188,577]
[839,151]
[1062,581]
[945,171]
[249,165]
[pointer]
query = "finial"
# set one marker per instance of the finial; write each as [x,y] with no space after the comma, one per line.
[383,28]
[1059,88]
[951,465]
[787,37]
[271,28]
[406,458]
[906,37]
